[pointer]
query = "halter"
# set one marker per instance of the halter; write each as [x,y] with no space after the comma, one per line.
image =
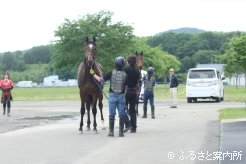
[89,51]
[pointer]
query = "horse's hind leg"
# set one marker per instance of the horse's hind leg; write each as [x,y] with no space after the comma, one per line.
[82,112]
[88,115]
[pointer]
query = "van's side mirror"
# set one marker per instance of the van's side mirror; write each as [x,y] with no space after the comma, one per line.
[223,78]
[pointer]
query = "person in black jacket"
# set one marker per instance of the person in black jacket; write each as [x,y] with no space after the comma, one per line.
[131,92]
[173,83]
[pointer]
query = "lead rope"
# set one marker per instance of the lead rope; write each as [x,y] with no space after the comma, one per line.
[98,85]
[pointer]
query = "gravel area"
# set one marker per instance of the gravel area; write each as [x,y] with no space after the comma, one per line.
[32,113]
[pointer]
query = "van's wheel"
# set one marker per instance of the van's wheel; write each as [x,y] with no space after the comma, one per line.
[217,99]
[189,100]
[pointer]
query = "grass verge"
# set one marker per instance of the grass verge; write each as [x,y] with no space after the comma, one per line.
[161,91]
[232,113]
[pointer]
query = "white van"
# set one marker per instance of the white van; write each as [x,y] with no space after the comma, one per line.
[204,83]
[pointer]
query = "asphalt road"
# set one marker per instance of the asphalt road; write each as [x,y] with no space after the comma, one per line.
[233,144]
[183,134]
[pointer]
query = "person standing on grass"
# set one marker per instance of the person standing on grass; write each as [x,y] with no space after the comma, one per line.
[6,86]
[173,84]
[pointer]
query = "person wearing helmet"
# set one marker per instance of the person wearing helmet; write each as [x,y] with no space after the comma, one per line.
[149,83]
[131,92]
[116,100]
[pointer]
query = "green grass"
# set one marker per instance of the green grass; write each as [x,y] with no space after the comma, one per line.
[161,91]
[72,93]
[33,94]
[232,113]
[235,94]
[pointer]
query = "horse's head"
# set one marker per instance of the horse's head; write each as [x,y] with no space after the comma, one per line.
[139,59]
[90,51]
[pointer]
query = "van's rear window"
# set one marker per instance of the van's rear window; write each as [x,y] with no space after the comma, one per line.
[200,74]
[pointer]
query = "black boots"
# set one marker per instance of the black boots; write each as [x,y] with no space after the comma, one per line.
[153,111]
[111,127]
[144,111]
[8,111]
[121,126]
[133,130]
[127,124]
[133,122]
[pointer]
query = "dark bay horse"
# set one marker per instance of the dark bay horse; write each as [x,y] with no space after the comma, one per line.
[139,66]
[89,89]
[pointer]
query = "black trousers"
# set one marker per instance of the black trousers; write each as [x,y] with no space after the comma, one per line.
[6,101]
[131,98]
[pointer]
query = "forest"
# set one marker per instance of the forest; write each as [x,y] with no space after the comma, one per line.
[181,49]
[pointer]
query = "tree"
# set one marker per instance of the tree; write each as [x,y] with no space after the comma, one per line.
[205,57]
[194,48]
[19,65]
[39,54]
[65,73]
[238,45]
[187,63]
[235,56]
[113,39]
[8,61]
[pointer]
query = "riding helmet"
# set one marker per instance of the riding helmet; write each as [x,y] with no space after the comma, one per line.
[150,70]
[119,62]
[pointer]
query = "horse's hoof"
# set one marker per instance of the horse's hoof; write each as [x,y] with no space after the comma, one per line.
[95,131]
[81,130]
[88,129]
[103,127]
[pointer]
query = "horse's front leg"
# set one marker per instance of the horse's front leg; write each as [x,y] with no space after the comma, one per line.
[88,115]
[100,104]
[82,112]
[94,111]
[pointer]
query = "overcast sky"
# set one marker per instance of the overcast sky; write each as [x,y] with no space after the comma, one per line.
[28,23]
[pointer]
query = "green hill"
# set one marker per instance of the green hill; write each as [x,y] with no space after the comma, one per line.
[183,30]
